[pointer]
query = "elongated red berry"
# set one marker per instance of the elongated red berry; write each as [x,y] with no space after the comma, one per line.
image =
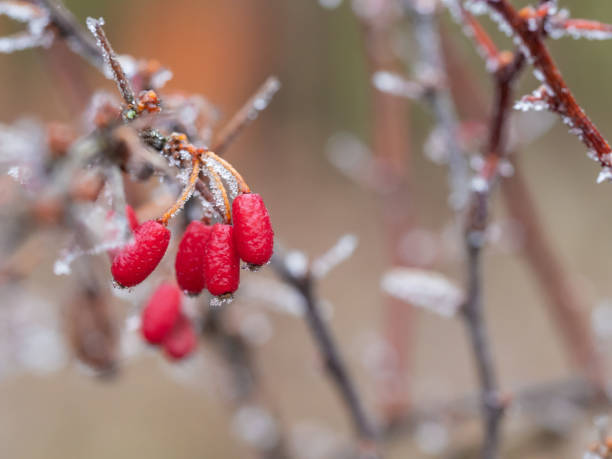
[136,260]
[253,232]
[221,261]
[161,313]
[189,263]
[181,340]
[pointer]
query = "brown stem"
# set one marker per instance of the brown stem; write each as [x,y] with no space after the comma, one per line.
[566,304]
[334,363]
[247,114]
[391,144]
[185,195]
[110,58]
[547,70]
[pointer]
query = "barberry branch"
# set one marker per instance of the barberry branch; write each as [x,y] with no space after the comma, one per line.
[186,194]
[303,283]
[123,83]
[563,298]
[565,103]
[246,115]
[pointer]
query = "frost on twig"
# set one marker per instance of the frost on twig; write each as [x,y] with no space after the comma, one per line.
[111,60]
[37,33]
[395,84]
[425,289]
[340,252]
[247,114]
[561,25]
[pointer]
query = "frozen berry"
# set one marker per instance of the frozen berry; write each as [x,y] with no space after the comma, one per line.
[181,340]
[136,260]
[221,261]
[189,263]
[161,313]
[253,233]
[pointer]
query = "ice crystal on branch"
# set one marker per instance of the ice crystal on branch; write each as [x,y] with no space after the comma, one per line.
[397,85]
[37,33]
[340,252]
[425,289]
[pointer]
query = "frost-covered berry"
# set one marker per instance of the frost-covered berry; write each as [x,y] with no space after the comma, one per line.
[136,260]
[253,232]
[181,340]
[161,313]
[189,263]
[221,261]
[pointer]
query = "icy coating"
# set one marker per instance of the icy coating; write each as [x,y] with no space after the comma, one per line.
[36,35]
[339,253]
[425,289]
[226,176]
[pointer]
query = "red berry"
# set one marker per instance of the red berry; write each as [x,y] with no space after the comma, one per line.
[252,229]
[181,340]
[136,260]
[221,261]
[161,313]
[189,263]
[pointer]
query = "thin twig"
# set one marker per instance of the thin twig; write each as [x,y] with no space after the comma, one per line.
[565,103]
[563,298]
[110,58]
[334,363]
[391,145]
[247,114]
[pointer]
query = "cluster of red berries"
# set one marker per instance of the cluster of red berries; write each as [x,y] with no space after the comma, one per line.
[164,324]
[208,256]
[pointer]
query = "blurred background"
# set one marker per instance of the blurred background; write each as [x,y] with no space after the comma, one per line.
[53,408]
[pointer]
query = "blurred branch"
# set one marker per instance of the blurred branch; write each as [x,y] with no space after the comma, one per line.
[566,303]
[239,358]
[70,30]
[246,115]
[391,145]
[334,363]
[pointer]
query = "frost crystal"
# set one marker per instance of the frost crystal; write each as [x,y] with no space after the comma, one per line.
[219,201]
[395,84]
[341,251]
[219,301]
[296,263]
[424,289]
[255,426]
[537,100]
[605,175]
[330,4]
[36,34]
[225,175]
